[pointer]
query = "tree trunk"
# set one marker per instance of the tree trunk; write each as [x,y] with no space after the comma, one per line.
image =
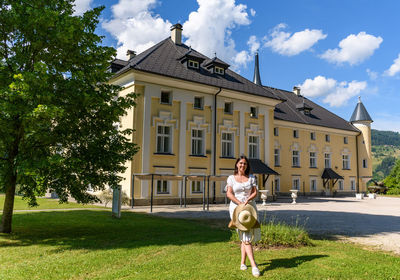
[8,208]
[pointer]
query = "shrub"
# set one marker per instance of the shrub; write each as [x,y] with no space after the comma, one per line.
[107,195]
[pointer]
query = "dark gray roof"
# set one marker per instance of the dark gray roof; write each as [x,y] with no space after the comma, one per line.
[330,174]
[164,59]
[291,111]
[259,167]
[360,113]
[256,77]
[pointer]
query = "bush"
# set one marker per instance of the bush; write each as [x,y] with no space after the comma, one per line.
[106,196]
[276,234]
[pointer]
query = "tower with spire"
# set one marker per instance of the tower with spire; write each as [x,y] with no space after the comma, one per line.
[256,78]
[362,120]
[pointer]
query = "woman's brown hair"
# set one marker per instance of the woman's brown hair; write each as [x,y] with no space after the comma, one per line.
[247,171]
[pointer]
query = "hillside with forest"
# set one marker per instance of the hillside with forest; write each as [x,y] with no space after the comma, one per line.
[385,152]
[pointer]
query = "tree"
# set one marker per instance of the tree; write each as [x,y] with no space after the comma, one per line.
[57,111]
[392,182]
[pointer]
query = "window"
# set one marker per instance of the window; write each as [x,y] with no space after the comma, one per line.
[312,136]
[197,142]
[193,64]
[313,185]
[296,184]
[162,187]
[340,187]
[295,133]
[253,146]
[163,139]
[227,144]
[253,112]
[196,186]
[228,108]
[277,182]
[327,157]
[345,140]
[166,97]
[198,102]
[277,157]
[313,159]
[327,138]
[346,161]
[276,131]
[295,158]
[352,184]
[365,163]
[219,70]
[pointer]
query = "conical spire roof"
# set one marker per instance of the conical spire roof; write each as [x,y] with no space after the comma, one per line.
[256,78]
[360,113]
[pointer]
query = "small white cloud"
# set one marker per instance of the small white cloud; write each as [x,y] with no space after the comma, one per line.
[252,12]
[254,44]
[354,49]
[289,44]
[242,58]
[372,74]
[135,27]
[394,68]
[336,94]
[81,6]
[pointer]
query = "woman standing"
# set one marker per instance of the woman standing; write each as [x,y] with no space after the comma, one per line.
[242,189]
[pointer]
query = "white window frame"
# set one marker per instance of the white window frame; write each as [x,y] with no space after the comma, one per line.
[294,187]
[162,136]
[227,145]
[196,139]
[219,70]
[277,183]
[313,160]
[169,97]
[229,106]
[167,185]
[340,185]
[277,157]
[352,184]
[296,158]
[253,112]
[195,106]
[346,161]
[253,147]
[193,64]
[197,184]
[327,160]
[313,184]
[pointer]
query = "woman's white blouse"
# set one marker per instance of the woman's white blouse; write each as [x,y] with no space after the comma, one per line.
[241,190]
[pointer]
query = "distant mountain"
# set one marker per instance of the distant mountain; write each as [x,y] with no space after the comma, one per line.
[379,137]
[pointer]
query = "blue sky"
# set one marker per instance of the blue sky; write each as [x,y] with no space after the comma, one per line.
[334,50]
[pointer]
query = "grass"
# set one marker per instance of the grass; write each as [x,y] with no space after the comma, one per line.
[44,203]
[86,244]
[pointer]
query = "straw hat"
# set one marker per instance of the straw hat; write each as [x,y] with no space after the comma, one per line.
[245,217]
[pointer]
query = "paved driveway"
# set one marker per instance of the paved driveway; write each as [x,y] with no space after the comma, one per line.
[373,222]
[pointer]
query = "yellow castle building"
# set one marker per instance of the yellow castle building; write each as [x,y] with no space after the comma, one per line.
[194,116]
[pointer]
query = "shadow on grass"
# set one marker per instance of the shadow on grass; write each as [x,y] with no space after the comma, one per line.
[288,262]
[97,230]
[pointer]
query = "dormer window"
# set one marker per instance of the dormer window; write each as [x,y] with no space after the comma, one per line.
[219,70]
[193,64]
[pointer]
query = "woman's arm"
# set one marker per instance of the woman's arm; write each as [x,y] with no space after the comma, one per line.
[252,195]
[231,196]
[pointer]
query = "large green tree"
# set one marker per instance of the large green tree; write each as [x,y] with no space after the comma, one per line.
[392,182]
[57,111]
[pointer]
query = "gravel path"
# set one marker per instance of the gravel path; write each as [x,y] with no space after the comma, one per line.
[374,222]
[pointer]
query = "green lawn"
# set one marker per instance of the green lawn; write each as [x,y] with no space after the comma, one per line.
[44,203]
[86,244]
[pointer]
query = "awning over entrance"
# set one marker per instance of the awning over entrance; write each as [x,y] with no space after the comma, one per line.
[330,174]
[259,167]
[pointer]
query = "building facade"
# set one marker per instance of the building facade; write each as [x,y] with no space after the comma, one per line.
[194,117]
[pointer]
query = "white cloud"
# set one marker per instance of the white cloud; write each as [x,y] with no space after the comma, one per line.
[81,6]
[208,30]
[254,44]
[394,68]
[354,49]
[336,94]
[135,27]
[289,44]
[252,12]
[372,74]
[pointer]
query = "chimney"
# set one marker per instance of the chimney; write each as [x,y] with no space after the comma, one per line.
[176,33]
[296,90]
[131,54]
[256,77]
